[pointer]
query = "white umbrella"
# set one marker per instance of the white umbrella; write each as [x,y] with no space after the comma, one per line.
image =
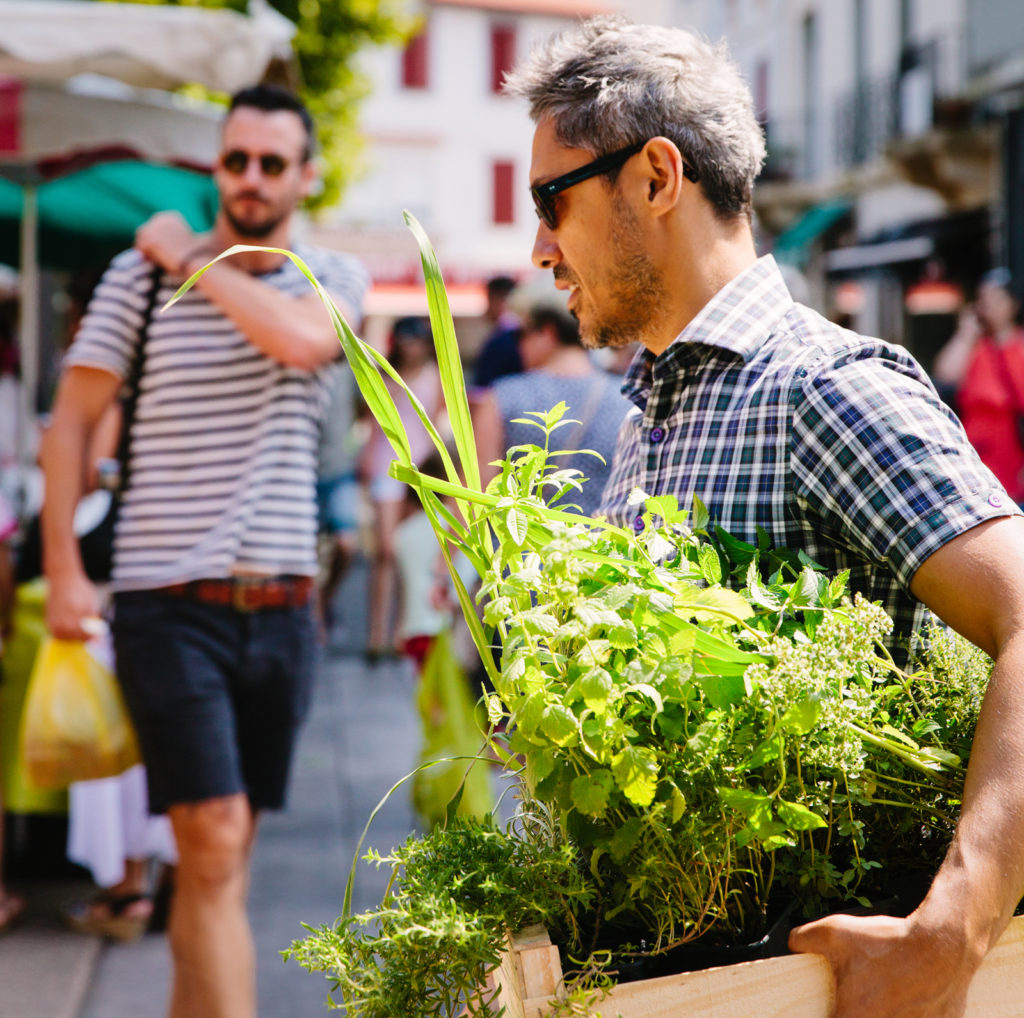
[140,44]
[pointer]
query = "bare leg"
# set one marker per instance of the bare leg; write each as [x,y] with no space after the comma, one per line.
[211,943]
[11,905]
[382,577]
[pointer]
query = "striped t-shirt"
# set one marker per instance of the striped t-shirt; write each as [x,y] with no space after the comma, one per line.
[223,452]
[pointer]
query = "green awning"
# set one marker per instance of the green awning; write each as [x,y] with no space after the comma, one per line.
[87,216]
[793,245]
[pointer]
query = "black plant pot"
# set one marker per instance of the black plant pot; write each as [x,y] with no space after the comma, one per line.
[629,967]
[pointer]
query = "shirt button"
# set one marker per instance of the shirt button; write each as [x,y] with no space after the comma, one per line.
[995,500]
[657,434]
[638,523]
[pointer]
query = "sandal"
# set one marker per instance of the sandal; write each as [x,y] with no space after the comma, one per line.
[104,915]
[12,908]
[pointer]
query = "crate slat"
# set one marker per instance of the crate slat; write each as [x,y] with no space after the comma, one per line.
[794,986]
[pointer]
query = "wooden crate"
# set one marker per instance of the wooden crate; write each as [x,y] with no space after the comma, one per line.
[794,986]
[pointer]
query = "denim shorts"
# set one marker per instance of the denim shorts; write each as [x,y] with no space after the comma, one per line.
[217,695]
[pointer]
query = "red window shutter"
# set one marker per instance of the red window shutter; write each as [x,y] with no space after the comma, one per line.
[414,62]
[503,53]
[10,115]
[504,204]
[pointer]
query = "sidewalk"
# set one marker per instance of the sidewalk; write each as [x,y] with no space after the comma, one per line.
[362,736]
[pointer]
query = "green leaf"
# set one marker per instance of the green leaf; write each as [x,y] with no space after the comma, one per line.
[622,636]
[528,712]
[590,792]
[710,564]
[745,802]
[699,517]
[517,526]
[595,686]
[723,690]
[770,749]
[802,716]
[678,805]
[559,724]
[798,817]
[646,689]
[594,653]
[720,601]
[636,774]
[625,839]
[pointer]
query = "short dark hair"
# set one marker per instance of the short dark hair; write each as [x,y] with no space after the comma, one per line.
[567,329]
[500,286]
[271,98]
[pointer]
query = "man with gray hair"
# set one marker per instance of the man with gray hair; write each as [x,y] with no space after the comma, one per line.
[644,156]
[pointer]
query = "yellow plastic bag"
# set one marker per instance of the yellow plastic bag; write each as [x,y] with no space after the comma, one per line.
[450,729]
[75,726]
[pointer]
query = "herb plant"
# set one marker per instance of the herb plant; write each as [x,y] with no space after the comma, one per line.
[702,728]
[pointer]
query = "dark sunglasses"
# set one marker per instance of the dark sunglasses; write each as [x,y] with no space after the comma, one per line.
[236,162]
[544,194]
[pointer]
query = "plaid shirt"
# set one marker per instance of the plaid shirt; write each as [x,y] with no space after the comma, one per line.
[832,442]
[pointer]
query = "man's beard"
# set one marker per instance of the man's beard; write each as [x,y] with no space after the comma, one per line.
[253,230]
[635,296]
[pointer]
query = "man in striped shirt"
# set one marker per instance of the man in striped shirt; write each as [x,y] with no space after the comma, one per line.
[644,156]
[214,556]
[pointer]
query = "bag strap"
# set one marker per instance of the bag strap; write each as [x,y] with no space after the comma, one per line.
[134,377]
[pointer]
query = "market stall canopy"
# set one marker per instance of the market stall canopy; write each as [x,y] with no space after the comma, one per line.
[43,126]
[140,44]
[86,217]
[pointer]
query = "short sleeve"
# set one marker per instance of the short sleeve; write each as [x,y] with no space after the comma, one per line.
[110,328]
[883,466]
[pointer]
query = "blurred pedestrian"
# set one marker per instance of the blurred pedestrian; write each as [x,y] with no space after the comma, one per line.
[215,549]
[983,365]
[557,369]
[11,905]
[412,356]
[499,354]
[337,490]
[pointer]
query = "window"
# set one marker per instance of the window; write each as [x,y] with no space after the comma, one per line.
[414,62]
[504,204]
[503,53]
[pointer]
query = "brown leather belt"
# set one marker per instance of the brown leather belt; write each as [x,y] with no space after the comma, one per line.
[248,593]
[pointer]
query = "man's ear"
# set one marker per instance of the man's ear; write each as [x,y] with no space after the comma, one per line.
[309,175]
[662,165]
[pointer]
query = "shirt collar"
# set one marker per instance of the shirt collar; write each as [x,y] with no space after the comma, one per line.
[736,320]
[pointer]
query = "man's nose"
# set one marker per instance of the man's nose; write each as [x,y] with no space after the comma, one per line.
[546,253]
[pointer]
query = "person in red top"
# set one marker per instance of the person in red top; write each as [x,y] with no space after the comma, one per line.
[984,363]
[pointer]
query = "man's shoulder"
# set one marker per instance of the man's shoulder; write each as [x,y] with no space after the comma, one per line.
[325,259]
[823,345]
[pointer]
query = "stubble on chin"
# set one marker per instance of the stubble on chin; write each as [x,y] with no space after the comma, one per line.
[252,229]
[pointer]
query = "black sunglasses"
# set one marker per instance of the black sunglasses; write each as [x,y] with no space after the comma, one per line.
[544,194]
[236,162]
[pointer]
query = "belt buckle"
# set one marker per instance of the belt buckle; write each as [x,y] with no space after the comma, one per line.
[240,595]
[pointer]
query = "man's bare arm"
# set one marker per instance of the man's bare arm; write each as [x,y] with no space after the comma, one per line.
[296,331]
[82,398]
[920,967]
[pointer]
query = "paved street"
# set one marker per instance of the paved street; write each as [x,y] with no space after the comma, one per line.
[362,737]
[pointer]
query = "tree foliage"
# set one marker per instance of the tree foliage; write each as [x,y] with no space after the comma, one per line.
[328,36]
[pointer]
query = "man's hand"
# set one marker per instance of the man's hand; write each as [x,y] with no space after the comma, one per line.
[168,241]
[886,967]
[71,601]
